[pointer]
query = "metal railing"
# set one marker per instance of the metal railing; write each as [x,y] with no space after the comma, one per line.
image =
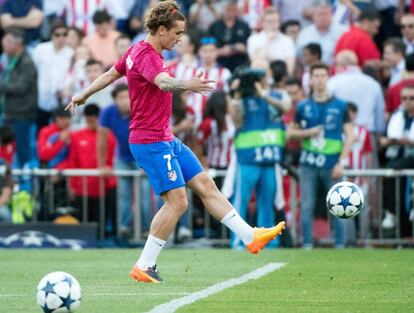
[136,175]
[376,176]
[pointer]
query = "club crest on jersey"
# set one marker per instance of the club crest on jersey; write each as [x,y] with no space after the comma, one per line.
[129,62]
[172,175]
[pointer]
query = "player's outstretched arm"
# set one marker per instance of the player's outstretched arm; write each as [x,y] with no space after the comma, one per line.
[100,83]
[198,84]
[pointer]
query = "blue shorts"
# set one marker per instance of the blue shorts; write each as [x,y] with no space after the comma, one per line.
[168,165]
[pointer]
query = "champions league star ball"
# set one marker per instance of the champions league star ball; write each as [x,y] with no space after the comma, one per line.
[345,200]
[58,292]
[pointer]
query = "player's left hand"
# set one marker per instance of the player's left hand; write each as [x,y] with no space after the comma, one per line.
[201,85]
[76,100]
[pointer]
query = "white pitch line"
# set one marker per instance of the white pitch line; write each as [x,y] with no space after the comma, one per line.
[173,305]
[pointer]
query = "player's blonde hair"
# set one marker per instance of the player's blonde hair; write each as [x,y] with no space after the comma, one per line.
[166,14]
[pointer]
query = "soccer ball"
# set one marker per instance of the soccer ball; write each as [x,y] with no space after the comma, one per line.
[345,200]
[58,292]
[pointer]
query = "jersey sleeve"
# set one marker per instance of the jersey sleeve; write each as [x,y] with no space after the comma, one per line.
[150,66]
[120,66]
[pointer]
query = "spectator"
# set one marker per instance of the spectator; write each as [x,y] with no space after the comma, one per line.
[74,37]
[84,143]
[407,30]
[322,31]
[51,58]
[359,39]
[394,50]
[53,150]
[294,89]
[54,140]
[114,119]
[79,13]
[208,53]
[271,44]
[122,44]
[292,151]
[294,10]
[312,54]
[75,79]
[186,63]
[216,132]
[18,93]
[231,34]
[259,142]
[93,69]
[400,155]
[321,122]
[291,28]
[103,98]
[279,72]
[26,15]
[203,13]
[360,157]
[102,41]
[252,12]
[351,85]
[393,97]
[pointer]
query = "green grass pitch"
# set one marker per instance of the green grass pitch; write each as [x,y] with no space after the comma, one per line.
[312,281]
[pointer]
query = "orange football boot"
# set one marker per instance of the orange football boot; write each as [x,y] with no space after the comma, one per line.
[262,236]
[150,275]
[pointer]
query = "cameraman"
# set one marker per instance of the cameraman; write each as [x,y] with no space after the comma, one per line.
[259,141]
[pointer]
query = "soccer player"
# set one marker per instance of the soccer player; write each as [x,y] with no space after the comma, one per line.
[169,164]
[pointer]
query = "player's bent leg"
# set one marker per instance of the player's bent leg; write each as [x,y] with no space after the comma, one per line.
[220,208]
[175,204]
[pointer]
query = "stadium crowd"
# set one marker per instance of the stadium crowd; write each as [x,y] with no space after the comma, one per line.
[274,63]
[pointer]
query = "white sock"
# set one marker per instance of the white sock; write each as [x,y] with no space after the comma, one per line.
[243,230]
[150,253]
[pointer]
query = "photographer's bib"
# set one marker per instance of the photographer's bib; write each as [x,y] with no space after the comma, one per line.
[261,139]
[322,151]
